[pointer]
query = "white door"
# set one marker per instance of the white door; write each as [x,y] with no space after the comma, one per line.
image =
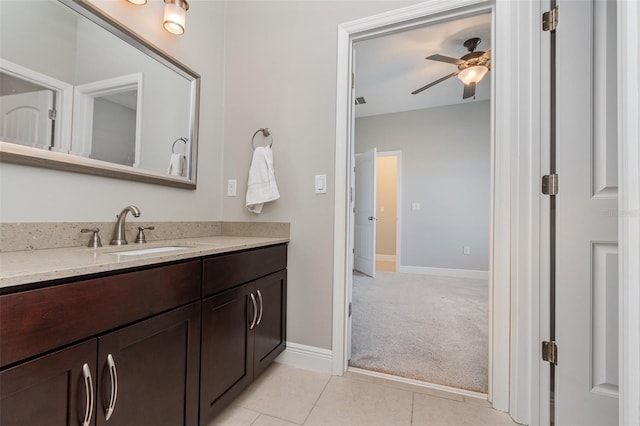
[586,376]
[365,213]
[25,119]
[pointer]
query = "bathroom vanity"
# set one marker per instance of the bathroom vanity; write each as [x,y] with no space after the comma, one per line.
[167,343]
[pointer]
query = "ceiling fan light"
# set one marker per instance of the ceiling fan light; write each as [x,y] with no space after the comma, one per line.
[472,74]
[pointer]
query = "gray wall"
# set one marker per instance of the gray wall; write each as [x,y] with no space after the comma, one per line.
[281,73]
[445,167]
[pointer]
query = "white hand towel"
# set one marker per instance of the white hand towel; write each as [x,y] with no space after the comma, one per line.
[261,186]
[176,164]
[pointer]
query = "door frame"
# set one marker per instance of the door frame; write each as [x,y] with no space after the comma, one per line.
[629,209]
[502,133]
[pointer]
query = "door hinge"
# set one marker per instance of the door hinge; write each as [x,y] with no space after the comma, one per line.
[350,308]
[353,80]
[550,184]
[550,20]
[52,114]
[550,352]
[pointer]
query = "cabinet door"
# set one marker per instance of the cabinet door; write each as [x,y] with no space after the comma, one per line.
[227,349]
[270,330]
[155,381]
[52,390]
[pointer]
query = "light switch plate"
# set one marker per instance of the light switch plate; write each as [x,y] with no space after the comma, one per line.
[231,187]
[321,184]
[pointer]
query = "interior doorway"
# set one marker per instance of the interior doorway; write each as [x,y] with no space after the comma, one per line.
[388,210]
[429,320]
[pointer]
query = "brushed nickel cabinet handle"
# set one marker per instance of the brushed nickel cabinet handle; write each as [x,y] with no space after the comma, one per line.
[88,388]
[260,300]
[255,311]
[113,376]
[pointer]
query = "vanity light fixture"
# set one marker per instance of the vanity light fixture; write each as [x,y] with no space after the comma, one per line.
[138,2]
[175,12]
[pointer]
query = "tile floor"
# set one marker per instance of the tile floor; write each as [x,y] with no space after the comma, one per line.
[284,395]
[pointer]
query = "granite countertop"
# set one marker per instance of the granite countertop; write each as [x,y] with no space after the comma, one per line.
[32,266]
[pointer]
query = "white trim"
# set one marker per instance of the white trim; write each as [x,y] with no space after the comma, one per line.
[84,95]
[426,385]
[445,272]
[629,209]
[306,357]
[499,327]
[63,102]
[385,257]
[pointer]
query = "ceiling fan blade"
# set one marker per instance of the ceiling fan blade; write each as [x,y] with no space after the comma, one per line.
[447,59]
[440,80]
[469,90]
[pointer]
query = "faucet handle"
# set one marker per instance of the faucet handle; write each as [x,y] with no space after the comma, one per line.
[141,239]
[94,241]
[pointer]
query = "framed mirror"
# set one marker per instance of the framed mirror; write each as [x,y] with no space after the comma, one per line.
[80,92]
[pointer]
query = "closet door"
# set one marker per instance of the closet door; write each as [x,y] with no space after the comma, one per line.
[586,261]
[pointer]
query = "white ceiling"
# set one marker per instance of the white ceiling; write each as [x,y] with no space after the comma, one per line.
[390,67]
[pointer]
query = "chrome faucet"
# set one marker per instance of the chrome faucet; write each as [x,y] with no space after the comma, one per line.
[119,234]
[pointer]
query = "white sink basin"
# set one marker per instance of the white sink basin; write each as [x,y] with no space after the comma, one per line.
[151,250]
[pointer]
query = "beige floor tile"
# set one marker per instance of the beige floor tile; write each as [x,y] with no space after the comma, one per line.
[284,392]
[442,412]
[234,415]
[265,420]
[352,402]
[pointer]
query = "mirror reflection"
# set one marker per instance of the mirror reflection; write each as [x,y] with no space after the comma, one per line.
[71,86]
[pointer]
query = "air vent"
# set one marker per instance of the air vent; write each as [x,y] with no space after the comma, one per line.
[360,100]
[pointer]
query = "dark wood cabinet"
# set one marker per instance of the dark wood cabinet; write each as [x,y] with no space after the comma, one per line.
[165,345]
[226,363]
[51,390]
[243,331]
[270,327]
[149,372]
[156,349]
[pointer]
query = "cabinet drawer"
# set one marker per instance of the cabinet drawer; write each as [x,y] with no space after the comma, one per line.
[36,321]
[227,271]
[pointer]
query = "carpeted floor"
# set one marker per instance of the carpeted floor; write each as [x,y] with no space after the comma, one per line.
[422,327]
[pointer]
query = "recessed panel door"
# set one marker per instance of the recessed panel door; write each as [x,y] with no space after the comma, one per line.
[586,376]
[365,213]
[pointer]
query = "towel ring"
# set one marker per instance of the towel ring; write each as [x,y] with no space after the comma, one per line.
[266,133]
[183,139]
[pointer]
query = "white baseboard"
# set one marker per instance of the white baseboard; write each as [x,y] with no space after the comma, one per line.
[386,257]
[444,272]
[307,357]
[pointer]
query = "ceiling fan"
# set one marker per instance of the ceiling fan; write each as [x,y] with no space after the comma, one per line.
[471,68]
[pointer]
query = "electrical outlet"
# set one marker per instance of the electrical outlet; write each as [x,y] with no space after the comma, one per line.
[415,207]
[466,250]
[231,187]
